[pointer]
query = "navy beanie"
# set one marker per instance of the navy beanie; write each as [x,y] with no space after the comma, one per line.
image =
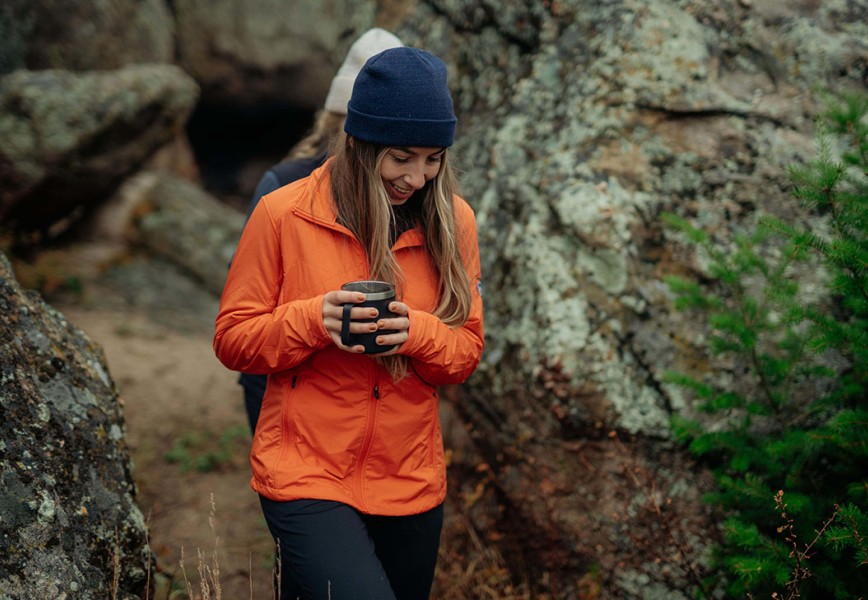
[401,98]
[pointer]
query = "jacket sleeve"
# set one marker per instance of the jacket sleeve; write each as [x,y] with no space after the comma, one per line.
[443,354]
[254,333]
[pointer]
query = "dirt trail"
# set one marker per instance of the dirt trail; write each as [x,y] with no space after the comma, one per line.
[189,441]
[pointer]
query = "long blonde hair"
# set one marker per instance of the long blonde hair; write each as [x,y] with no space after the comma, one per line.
[327,125]
[363,207]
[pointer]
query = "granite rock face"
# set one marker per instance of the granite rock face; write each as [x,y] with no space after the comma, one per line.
[579,124]
[180,222]
[261,52]
[573,140]
[240,52]
[84,36]
[69,139]
[69,524]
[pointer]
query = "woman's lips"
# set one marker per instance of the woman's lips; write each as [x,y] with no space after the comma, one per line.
[399,193]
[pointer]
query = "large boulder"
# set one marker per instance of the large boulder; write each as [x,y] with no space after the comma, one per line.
[70,138]
[180,222]
[84,36]
[578,125]
[69,523]
[574,143]
[261,52]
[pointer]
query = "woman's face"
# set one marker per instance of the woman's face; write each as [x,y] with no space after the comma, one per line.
[407,170]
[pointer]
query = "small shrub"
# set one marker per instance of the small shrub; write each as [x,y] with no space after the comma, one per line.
[790,442]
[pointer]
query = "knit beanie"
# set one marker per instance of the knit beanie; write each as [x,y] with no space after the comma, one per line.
[371,42]
[401,98]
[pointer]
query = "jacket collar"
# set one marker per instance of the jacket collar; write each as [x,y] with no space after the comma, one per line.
[316,203]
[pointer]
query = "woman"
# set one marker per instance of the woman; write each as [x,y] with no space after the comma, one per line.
[348,456]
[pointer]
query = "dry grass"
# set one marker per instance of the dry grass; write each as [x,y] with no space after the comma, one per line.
[470,568]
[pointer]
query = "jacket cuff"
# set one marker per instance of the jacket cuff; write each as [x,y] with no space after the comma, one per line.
[319,335]
[420,322]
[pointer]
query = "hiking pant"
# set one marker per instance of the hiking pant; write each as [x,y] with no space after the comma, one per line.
[331,551]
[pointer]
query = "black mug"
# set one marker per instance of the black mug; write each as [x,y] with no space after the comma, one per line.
[378,294]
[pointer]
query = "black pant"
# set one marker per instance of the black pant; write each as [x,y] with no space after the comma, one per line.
[330,551]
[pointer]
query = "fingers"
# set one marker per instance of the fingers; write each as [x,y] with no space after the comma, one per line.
[363,320]
[399,328]
[333,308]
[399,308]
[332,313]
[334,301]
[392,341]
[401,323]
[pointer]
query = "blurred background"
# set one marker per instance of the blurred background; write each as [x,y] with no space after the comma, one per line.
[595,140]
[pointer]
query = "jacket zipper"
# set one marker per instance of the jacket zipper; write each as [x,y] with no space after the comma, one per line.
[286,432]
[366,444]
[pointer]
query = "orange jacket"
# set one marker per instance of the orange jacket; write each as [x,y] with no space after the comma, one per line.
[334,425]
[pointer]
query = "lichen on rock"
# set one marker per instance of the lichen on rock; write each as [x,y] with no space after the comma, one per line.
[69,523]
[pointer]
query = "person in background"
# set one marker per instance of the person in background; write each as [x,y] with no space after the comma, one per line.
[348,456]
[308,154]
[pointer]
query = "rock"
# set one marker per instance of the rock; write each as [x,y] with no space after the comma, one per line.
[160,244]
[177,220]
[70,138]
[84,36]
[575,140]
[265,52]
[69,523]
[572,143]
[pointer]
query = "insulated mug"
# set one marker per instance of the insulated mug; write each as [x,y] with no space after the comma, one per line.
[378,294]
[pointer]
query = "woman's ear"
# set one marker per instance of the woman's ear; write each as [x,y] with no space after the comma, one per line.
[350,141]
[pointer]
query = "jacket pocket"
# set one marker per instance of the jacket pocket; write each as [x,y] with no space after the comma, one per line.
[285,433]
[329,431]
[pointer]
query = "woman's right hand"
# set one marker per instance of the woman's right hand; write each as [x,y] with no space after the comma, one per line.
[332,312]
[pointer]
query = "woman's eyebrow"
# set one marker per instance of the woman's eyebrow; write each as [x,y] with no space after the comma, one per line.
[408,151]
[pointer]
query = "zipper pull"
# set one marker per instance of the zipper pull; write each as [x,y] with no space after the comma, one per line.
[377,392]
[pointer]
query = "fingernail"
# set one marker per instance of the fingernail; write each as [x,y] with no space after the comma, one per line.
[360,297]
[374,327]
[373,312]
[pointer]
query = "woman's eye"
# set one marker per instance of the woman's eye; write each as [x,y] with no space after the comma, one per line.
[435,159]
[399,159]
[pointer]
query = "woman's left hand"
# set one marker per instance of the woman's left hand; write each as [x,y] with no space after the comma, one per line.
[400,325]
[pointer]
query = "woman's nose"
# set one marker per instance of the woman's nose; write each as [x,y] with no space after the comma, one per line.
[415,177]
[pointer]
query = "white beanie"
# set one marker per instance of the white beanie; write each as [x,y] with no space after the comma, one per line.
[370,43]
